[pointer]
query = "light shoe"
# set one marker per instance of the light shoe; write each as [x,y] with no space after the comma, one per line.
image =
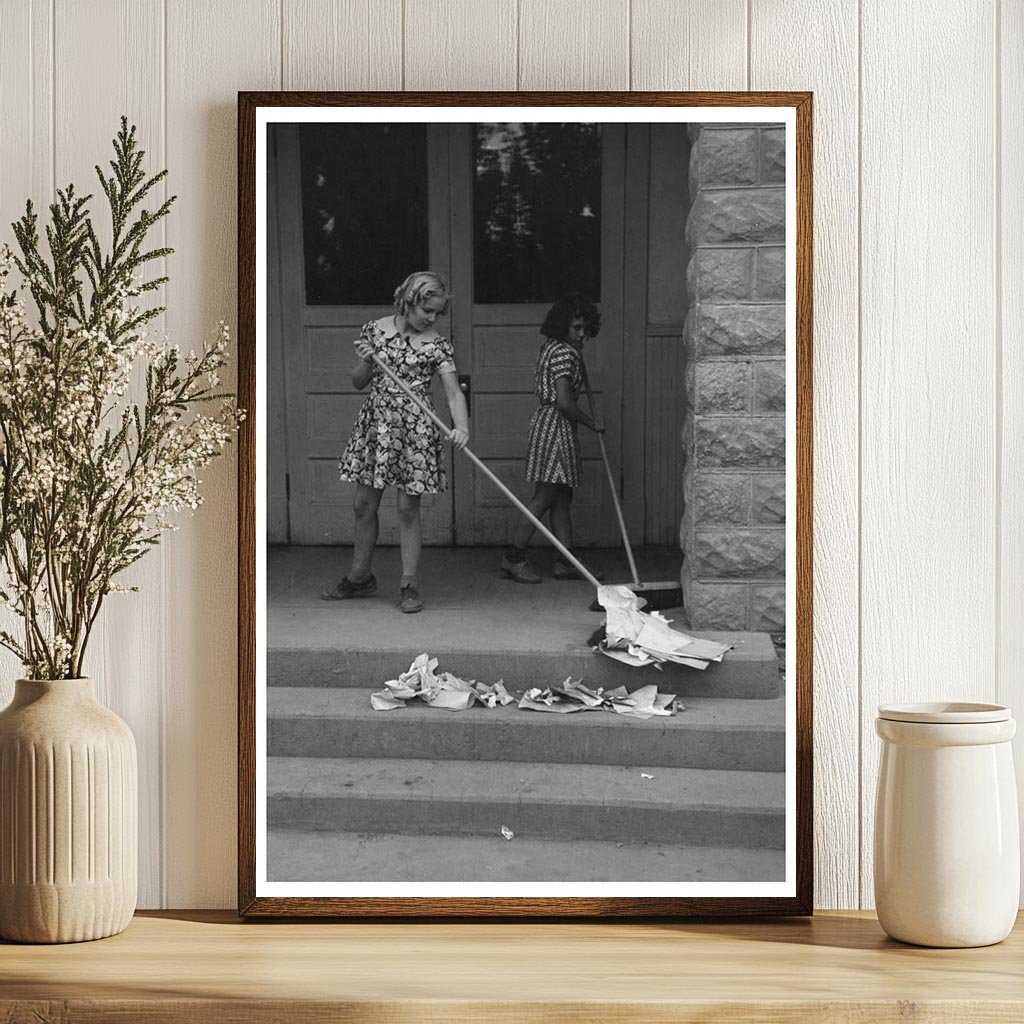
[518,571]
[409,600]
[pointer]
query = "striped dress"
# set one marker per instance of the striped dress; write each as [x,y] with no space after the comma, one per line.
[553,452]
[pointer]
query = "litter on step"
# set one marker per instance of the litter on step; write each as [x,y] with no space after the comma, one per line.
[424,683]
[421,681]
[637,638]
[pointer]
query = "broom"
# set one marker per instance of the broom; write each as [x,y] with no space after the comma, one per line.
[447,433]
[665,594]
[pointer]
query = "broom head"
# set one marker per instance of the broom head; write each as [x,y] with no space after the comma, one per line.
[655,596]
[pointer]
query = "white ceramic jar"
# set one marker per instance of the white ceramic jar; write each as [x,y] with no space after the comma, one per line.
[947,847]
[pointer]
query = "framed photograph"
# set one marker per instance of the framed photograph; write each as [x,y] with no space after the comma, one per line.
[525,493]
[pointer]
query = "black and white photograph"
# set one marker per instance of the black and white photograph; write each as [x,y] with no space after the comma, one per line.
[525,502]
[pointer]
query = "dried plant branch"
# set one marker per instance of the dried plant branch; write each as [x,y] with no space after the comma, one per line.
[89,478]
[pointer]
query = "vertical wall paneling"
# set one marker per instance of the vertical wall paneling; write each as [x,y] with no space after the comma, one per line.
[213,51]
[125,652]
[831,72]
[468,45]
[26,69]
[342,44]
[634,476]
[1011,317]
[574,44]
[928,398]
[919,372]
[700,44]
[26,102]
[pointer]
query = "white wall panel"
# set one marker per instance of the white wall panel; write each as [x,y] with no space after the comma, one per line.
[470,44]
[831,73]
[127,665]
[26,172]
[919,373]
[341,44]
[928,398]
[574,44]
[701,44]
[26,101]
[213,51]
[1010,313]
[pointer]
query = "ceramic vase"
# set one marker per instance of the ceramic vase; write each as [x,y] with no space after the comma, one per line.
[68,815]
[947,847]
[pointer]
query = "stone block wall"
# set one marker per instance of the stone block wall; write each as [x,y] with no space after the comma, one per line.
[734,484]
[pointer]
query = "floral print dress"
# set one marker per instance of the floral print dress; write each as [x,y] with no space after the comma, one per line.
[553,450]
[393,441]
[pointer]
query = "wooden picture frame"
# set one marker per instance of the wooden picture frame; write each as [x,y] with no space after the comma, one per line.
[786,269]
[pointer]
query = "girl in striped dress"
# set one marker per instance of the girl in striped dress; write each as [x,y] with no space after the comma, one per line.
[553,450]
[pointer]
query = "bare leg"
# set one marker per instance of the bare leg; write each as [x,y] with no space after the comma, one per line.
[365,505]
[544,497]
[410,533]
[561,527]
[561,515]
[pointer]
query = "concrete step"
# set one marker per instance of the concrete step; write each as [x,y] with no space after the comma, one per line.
[333,656]
[478,624]
[715,733]
[300,856]
[685,806]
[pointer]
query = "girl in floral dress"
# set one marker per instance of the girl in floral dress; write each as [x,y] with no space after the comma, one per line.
[553,449]
[393,441]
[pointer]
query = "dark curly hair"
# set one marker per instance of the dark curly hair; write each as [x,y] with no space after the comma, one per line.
[564,311]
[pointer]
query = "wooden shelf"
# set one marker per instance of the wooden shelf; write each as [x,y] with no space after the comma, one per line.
[210,967]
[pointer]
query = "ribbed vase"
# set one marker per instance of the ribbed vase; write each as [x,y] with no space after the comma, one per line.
[68,815]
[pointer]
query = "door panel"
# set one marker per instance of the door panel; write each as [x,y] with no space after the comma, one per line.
[321,402]
[497,345]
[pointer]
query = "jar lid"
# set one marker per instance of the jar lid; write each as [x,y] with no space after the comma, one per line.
[945,712]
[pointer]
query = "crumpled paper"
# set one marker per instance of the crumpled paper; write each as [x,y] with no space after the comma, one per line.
[422,681]
[573,696]
[637,638]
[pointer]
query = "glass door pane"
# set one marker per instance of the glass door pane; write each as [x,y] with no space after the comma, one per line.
[536,212]
[364,210]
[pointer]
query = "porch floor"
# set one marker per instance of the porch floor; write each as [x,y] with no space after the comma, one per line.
[478,623]
[464,593]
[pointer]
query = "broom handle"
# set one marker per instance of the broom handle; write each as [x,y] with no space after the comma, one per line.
[447,433]
[611,478]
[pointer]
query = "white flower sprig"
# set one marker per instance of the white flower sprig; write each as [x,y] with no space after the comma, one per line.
[88,477]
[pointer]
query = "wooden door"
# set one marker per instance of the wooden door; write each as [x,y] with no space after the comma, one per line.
[408,178]
[497,340]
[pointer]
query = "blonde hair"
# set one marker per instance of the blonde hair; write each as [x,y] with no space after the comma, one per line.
[420,286]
